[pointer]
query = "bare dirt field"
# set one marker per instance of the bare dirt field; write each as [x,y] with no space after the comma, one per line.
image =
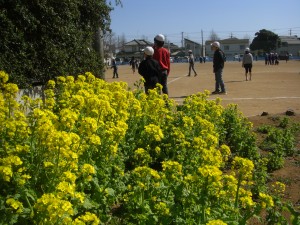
[273,89]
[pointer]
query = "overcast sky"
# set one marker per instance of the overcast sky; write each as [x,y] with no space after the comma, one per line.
[146,18]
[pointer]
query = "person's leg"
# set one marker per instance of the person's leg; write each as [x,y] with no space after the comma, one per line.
[217,84]
[163,82]
[114,72]
[246,72]
[193,67]
[190,67]
[220,80]
[147,88]
[250,71]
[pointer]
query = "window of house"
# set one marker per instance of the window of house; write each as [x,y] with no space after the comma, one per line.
[226,47]
[242,47]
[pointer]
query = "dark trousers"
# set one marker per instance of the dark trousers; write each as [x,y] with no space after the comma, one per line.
[163,81]
[115,73]
[219,81]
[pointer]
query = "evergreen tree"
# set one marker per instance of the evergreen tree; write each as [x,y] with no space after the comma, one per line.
[265,40]
[43,39]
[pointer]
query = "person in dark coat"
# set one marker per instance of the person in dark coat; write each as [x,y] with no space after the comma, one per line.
[150,70]
[115,67]
[218,65]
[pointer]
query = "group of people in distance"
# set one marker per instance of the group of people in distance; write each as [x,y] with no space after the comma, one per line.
[155,67]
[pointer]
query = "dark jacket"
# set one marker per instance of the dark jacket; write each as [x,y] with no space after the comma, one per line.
[218,61]
[149,68]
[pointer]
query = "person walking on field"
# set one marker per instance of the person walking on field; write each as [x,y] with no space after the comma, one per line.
[149,69]
[218,65]
[115,67]
[191,63]
[247,63]
[162,55]
[132,63]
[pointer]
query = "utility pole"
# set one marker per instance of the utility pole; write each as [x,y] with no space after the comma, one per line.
[202,43]
[181,39]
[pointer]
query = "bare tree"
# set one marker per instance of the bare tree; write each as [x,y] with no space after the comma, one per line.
[121,42]
[213,36]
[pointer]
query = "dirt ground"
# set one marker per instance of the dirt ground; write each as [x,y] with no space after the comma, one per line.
[273,89]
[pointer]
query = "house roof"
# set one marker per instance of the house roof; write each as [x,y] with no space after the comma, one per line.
[185,39]
[230,41]
[178,53]
[138,42]
[290,40]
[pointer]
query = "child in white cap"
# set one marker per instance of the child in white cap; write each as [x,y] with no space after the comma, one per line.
[150,70]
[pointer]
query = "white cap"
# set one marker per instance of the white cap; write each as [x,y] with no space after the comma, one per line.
[149,51]
[247,49]
[216,44]
[190,51]
[160,37]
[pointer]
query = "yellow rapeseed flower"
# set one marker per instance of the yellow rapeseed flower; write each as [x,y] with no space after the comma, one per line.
[154,132]
[216,222]
[266,200]
[15,204]
[3,77]
[244,167]
[87,218]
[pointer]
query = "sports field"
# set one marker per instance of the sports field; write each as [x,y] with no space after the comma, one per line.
[273,89]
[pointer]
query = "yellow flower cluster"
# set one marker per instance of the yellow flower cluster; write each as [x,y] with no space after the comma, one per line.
[153,131]
[216,222]
[144,172]
[15,205]
[243,167]
[266,200]
[90,145]
[54,207]
[162,208]
[87,218]
[6,166]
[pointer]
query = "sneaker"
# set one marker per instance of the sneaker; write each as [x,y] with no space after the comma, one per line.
[195,75]
[223,93]
[215,92]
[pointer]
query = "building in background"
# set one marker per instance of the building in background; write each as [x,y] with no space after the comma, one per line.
[289,45]
[133,48]
[192,45]
[232,47]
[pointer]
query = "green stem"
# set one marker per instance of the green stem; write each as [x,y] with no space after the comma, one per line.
[28,202]
[236,203]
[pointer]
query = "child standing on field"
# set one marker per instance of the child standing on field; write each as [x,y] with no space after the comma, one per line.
[247,63]
[191,63]
[150,70]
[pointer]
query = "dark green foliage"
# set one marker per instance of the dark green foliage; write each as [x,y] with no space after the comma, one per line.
[265,40]
[43,39]
[237,134]
[279,141]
